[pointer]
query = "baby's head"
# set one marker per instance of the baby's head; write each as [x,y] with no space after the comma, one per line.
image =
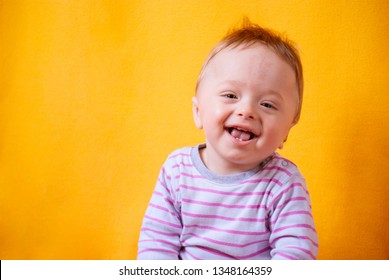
[248,96]
[250,34]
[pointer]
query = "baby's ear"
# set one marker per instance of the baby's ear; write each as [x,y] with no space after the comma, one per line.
[282,144]
[286,137]
[196,113]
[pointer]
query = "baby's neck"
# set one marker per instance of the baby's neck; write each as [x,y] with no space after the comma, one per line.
[218,165]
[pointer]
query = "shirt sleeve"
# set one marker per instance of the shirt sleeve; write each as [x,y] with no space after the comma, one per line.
[160,233]
[293,234]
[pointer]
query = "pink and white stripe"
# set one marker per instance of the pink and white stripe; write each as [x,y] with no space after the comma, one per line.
[193,214]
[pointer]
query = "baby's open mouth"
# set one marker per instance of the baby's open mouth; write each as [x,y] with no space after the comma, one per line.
[240,134]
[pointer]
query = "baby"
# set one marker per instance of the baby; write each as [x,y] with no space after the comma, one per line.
[234,197]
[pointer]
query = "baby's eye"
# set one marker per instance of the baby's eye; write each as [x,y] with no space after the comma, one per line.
[230,96]
[267,105]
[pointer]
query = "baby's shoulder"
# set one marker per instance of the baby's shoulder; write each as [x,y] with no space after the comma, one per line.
[287,179]
[181,154]
[178,158]
[281,168]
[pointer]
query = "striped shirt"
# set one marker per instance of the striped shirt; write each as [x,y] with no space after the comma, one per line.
[264,213]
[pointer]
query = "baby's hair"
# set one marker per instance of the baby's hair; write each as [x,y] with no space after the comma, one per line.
[249,34]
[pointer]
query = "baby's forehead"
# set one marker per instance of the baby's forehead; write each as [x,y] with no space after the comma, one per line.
[258,52]
[253,56]
[234,61]
[255,65]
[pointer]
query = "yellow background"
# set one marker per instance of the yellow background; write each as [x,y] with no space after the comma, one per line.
[95,94]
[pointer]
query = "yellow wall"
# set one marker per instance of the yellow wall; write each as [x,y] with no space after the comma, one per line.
[94,94]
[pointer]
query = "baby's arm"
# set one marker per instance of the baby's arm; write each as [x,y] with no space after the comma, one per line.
[293,233]
[161,229]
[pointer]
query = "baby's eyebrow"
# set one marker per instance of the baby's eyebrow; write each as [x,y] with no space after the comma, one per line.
[232,82]
[274,93]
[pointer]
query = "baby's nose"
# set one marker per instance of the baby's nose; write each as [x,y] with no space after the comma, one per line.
[246,111]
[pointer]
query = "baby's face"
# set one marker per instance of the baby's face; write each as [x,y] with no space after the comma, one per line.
[246,104]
